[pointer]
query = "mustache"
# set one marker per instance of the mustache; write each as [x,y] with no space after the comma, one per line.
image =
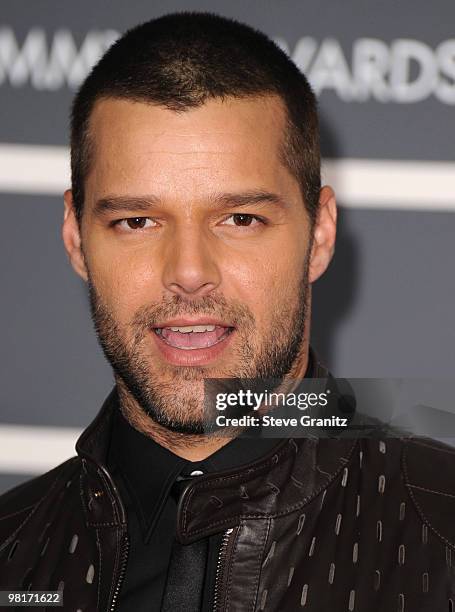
[174,306]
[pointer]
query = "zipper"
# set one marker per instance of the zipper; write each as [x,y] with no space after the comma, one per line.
[125,550]
[222,565]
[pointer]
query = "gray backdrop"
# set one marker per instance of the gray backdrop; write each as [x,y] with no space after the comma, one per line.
[385,76]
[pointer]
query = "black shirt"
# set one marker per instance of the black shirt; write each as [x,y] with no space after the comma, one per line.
[145,472]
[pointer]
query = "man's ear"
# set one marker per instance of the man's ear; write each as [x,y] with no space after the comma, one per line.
[72,238]
[324,234]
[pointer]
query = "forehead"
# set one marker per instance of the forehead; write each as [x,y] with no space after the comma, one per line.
[235,138]
[216,117]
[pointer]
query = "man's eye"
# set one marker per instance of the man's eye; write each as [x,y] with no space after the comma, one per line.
[243,220]
[135,223]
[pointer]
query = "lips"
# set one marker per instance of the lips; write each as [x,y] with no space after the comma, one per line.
[191,337]
[192,334]
[191,341]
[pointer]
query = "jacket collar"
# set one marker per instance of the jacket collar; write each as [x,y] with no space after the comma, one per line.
[100,497]
[283,481]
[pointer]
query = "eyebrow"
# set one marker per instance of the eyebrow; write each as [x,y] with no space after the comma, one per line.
[115,204]
[121,204]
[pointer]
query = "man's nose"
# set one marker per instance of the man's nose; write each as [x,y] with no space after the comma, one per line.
[190,266]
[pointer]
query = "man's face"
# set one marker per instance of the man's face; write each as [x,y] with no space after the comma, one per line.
[196,248]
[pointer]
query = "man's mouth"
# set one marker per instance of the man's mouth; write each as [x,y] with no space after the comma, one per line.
[191,337]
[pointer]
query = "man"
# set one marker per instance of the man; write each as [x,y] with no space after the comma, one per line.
[197,219]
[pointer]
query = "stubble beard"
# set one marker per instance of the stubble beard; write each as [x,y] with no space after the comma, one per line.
[173,396]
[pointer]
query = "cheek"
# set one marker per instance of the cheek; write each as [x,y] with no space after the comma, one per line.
[268,286]
[124,281]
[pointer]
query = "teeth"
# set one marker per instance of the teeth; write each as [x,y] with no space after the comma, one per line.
[193,328]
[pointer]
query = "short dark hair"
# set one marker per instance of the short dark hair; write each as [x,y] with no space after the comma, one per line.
[181,60]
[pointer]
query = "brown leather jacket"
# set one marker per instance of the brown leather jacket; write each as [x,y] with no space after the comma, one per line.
[318,525]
